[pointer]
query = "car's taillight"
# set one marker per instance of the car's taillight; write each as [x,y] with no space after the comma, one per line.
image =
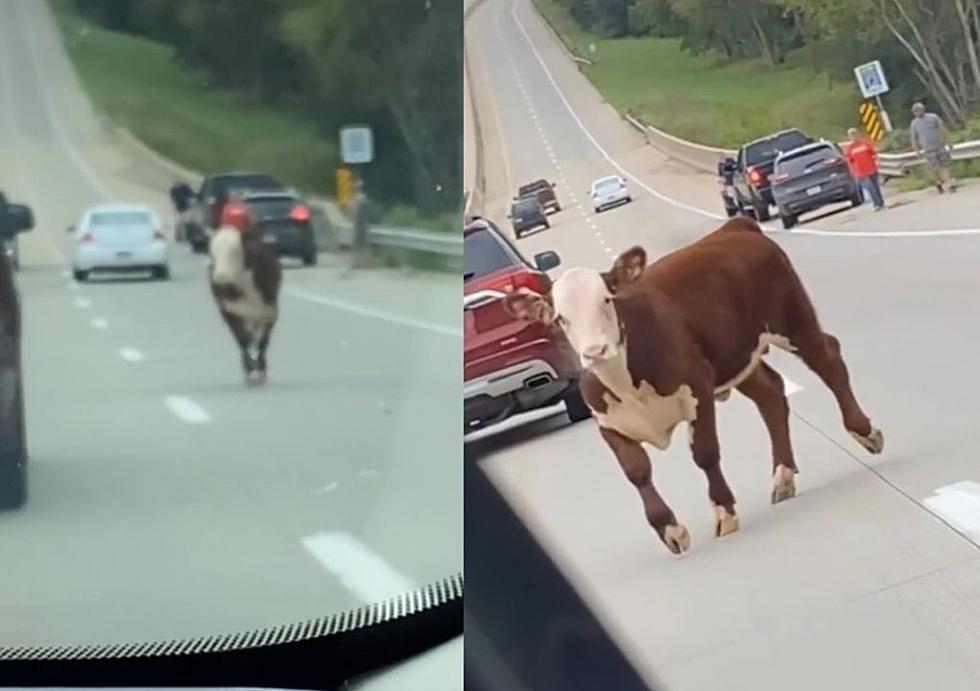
[538,282]
[755,175]
[300,213]
[158,235]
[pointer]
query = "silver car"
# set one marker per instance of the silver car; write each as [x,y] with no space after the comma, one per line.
[609,191]
[120,238]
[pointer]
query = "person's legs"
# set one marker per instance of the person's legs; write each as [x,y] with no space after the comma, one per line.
[874,184]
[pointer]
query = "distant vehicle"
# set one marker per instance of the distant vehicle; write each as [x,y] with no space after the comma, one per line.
[608,192]
[285,223]
[120,238]
[214,191]
[754,164]
[510,366]
[810,177]
[544,191]
[14,219]
[527,213]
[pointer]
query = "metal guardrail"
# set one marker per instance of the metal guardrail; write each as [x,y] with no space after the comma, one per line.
[705,158]
[445,244]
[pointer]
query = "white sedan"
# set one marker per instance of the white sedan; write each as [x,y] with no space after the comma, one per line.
[609,191]
[120,238]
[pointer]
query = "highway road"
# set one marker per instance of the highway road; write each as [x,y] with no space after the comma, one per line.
[869,578]
[166,500]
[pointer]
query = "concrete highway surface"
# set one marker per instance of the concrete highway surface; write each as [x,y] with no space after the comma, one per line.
[166,499]
[870,577]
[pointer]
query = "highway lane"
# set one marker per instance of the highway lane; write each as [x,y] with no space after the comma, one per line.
[853,584]
[167,500]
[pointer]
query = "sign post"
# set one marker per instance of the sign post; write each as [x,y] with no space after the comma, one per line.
[357,149]
[872,82]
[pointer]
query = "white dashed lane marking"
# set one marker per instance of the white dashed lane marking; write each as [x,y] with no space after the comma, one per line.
[82,303]
[131,355]
[363,571]
[958,505]
[187,410]
[100,323]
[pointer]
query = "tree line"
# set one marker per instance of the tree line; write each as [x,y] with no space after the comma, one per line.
[393,65]
[930,48]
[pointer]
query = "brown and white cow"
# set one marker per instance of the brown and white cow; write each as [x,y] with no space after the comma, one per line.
[245,279]
[660,343]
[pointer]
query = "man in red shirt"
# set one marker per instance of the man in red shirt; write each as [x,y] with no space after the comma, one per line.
[863,159]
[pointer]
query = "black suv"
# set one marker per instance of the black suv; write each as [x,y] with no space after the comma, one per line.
[215,188]
[285,222]
[527,213]
[754,164]
[14,219]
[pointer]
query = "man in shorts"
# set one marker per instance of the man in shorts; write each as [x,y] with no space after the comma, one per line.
[931,139]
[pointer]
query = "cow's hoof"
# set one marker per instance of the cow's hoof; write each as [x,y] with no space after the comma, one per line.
[874,443]
[725,523]
[783,484]
[677,539]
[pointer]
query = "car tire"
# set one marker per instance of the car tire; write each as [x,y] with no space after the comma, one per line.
[575,405]
[761,211]
[310,258]
[788,219]
[161,273]
[79,275]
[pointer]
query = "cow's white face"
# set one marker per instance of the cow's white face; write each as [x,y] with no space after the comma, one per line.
[227,255]
[584,309]
[582,303]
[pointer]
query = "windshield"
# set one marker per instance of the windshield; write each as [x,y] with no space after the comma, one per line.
[169,484]
[608,185]
[526,206]
[767,149]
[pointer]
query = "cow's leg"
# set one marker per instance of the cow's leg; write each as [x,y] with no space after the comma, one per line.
[263,346]
[707,455]
[765,387]
[242,336]
[636,464]
[821,353]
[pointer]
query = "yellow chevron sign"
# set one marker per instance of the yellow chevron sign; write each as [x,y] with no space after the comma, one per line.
[345,187]
[872,123]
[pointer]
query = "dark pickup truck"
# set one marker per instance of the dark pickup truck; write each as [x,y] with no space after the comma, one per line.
[754,166]
[14,219]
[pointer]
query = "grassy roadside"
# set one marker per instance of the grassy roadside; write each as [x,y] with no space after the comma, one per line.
[172,108]
[700,99]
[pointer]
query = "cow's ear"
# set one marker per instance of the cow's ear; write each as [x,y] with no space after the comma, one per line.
[626,269]
[530,306]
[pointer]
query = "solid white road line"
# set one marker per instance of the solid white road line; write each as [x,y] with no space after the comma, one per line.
[187,410]
[959,505]
[364,572]
[100,323]
[374,313]
[131,355]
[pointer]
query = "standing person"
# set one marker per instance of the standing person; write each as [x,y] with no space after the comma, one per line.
[930,138]
[181,195]
[863,160]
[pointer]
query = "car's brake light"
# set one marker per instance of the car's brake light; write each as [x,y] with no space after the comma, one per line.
[300,213]
[755,175]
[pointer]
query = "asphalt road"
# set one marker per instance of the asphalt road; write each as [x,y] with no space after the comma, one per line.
[868,578]
[166,499]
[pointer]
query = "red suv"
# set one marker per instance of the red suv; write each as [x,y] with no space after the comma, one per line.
[510,366]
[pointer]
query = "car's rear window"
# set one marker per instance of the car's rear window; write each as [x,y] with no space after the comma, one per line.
[767,149]
[532,188]
[271,206]
[103,219]
[607,185]
[526,206]
[798,161]
[247,182]
[484,254]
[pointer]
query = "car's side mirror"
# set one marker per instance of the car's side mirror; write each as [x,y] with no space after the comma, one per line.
[546,261]
[16,218]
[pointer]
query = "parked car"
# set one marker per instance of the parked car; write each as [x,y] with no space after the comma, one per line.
[810,177]
[544,191]
[755,161]
[14,219]
[510,366]
[527,213]
[202,217]
[285,223]
[608,192]
[120,238]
